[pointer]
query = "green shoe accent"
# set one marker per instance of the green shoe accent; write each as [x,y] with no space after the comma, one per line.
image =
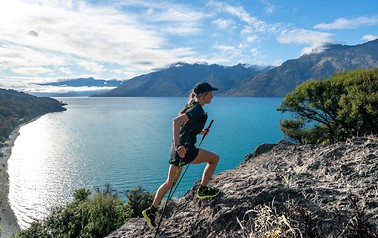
[150,218]
[207,192]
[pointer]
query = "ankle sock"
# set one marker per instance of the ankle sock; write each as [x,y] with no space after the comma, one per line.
[153,209]
[202,188]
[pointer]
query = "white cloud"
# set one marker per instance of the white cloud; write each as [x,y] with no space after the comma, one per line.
[176,19]
[315,39]
[316,48]
[227,48]
[344,23]
[241,14]
[254,52]
[31,70]
[224,24]
[64,89]
[58,33]
[65,70]
[13,55]
[92,66]
[269,7]
[117,72]
[250,36]
[166,17]
[229,52]
[302,36]
[369,37]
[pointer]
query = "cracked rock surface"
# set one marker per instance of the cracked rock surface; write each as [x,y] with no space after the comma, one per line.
[331,186]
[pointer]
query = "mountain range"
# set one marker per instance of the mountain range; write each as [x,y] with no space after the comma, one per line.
[334,58]
[239,80]
[242,80]
[178,79]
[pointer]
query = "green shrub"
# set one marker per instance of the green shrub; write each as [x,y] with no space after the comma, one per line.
[327,111]
[138,200]
[86,216]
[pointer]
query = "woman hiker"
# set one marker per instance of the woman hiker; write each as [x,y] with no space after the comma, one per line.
[189,123]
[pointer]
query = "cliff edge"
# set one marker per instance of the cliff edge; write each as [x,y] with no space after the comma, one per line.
[299,190]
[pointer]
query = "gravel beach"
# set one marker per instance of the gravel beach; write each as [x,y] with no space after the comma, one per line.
[8,220]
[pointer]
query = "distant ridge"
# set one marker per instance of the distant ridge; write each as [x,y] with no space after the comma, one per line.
[82,82]
[79,87]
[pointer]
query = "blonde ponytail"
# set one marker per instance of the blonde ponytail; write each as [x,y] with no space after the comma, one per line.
[191,100]
[193,97]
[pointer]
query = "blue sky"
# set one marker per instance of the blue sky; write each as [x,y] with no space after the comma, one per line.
[48,40]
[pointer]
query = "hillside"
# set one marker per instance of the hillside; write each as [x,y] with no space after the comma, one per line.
[312,190]
[283,79]
[18,107]
[179,79]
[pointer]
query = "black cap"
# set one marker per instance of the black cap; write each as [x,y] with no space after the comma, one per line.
[203,87]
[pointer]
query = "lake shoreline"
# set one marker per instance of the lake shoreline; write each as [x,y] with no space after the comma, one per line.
[8,221]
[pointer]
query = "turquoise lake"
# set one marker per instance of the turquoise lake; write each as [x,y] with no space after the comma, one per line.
[124,142]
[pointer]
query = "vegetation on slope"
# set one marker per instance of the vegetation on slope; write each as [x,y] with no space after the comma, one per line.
[90,215]
[332,110]
[18,107]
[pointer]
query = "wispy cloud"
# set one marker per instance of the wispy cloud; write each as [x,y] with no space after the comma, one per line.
[19,55]
[369,37]
[175,19]
[269,7]
[224,24]
[241,14]
[31,70]
[58,33]
[315,40]
[246,32]
[302,36]
[352,23]
[92,66]
[64,89]
[254,31]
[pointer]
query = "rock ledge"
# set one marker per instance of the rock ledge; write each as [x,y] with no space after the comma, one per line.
[322,191]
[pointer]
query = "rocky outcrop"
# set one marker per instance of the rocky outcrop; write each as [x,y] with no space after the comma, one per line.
[309,191]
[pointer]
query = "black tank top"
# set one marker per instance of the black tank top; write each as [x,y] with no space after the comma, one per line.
[190,129]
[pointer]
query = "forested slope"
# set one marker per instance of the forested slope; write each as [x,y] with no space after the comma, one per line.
[18,107]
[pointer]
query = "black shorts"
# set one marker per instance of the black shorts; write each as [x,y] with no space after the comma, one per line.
[190,155]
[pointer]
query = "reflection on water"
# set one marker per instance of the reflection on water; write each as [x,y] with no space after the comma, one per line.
[40,174]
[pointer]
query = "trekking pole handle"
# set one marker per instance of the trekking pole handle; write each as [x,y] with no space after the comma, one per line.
[211,123]
[207,130]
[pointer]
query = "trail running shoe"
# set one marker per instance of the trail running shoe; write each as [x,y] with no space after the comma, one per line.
[207,192]
[150,217]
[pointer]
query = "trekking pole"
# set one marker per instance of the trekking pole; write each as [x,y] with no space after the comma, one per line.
[203,137]
[170,195]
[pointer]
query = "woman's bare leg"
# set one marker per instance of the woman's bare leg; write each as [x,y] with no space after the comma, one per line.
[163,189]
[211,159]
